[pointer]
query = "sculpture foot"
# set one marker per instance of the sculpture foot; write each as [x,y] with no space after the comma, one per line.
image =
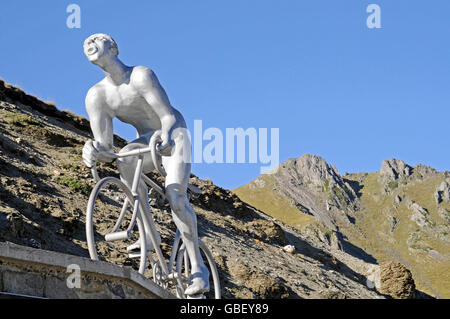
[199,284]
[201,296]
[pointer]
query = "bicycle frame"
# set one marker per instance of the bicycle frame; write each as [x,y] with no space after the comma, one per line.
[140,211]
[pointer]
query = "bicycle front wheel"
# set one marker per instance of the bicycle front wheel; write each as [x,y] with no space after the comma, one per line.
[108,216]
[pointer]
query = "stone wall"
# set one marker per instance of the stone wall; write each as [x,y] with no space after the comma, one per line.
[38,273]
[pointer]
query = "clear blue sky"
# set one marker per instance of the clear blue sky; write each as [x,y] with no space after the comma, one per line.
[335,88]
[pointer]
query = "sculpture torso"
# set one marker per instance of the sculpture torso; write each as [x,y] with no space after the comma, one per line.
[125,102]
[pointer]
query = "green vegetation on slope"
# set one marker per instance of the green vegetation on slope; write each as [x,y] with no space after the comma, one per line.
[391,234]
[273,204]
[382,227]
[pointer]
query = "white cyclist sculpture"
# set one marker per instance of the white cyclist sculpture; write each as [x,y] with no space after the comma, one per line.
[135,96]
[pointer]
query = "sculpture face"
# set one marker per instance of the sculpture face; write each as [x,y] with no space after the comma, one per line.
[99,46]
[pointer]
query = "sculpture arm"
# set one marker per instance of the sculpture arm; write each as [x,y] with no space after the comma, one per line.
[101,125]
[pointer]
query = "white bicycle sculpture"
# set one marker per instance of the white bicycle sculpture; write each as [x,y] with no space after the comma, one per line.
[177,272]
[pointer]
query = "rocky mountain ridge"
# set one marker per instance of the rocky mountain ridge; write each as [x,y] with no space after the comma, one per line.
[399,213]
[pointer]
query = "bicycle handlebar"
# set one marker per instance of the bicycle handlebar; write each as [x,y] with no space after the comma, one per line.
[153,149]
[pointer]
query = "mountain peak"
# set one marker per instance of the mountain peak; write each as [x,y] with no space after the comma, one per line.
[311,170]
[393,169]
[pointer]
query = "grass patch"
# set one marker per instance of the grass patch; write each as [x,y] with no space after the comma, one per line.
[393,185]
[329,234]
[50,137]
[327,185]
[22,120]
[71,167]
[75,184]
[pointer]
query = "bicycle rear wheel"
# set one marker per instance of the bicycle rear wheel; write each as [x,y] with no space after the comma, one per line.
[183,271]
[110,211]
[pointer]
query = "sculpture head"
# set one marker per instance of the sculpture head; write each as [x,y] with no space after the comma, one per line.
[100,46]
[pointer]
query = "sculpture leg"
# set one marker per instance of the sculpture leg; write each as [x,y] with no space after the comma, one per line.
[178,173]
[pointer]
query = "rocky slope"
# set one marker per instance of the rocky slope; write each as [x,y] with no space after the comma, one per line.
[400,213]
[44,189]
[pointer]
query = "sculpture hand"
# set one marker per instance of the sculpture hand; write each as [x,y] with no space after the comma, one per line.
[90,154]
[166,145]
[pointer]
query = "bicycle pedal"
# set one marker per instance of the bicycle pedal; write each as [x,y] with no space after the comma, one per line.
[133,247]
[117,236]
[134,255]
[137,254]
